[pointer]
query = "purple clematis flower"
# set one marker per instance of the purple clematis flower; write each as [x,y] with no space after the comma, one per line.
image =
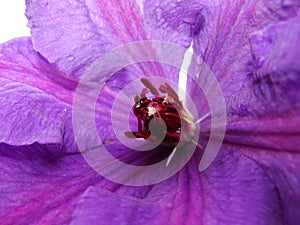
[253,48]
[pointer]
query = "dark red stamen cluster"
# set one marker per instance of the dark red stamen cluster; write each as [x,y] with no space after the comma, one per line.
[146,109]
[174,120]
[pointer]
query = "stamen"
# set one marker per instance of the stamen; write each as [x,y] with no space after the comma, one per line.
[108,141]
[129,134]
[149,85]
[144,92]
[168,108]
[202,118]
[171,93]
[197,144]
[136,98]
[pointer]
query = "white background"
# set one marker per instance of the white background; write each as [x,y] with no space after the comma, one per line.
[13,22]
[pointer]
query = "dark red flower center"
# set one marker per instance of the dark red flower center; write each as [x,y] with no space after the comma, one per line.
[167,126]
[161,118]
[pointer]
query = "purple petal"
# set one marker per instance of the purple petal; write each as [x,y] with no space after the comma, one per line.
[256,61]
[72,34]
[42,172]
[224,44]
[224,194]
[273,142]
[172,20]
[274,134]
[32,109]
[65,34]
[286,178]
[272,87]
[40,184]
[28,67]
[28,115]
[276,51]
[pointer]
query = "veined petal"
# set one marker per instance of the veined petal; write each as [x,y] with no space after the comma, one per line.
[257,66]
[283,169]
[20,63]
[272,85]
[273,142]
[224,45]
[73,33]
[28,115]
[263,103]
[266,125]
[42,172]
[34,107]
[67,34]
[172,20]
[275,82]
[274,134]
[40,184]
[221,195]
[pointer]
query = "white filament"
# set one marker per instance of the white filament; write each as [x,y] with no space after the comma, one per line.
[202,118]
[171,156]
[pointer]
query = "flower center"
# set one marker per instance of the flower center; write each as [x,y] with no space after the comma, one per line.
[161,116]
[146,109]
